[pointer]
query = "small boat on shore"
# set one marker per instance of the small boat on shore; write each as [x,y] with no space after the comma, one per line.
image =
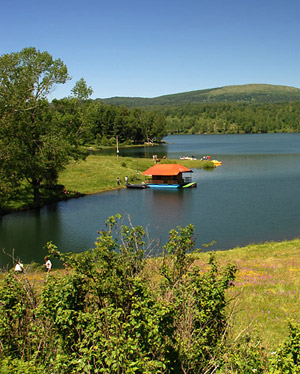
[190,185]
[136,185]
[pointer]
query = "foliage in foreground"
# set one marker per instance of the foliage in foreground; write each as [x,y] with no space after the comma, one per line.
[103,316]
[112,312]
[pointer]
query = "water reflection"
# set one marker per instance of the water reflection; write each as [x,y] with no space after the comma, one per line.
[169,204]
[27,233]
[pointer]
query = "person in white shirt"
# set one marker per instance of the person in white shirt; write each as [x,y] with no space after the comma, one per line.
[19,268]
[48,264]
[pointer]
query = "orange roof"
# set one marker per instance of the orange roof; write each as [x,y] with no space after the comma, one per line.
[167,169]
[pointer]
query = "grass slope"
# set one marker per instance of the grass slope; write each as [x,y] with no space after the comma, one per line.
[267,289]
[249,93]
[99,173]
[266,292]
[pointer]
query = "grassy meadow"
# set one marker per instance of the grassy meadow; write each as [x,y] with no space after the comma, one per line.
[266,293]
[267,288]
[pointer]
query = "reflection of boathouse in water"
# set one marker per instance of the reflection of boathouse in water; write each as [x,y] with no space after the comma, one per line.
[169,176]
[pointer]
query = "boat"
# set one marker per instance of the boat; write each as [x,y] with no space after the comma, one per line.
[187,158]
[216,162]
[136,185]
[190,185]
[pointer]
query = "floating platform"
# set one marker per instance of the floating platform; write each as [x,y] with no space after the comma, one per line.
[163,185]
[172,186]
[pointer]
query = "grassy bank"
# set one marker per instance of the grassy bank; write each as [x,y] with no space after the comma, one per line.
[267,288]
[266,293]
[99,173]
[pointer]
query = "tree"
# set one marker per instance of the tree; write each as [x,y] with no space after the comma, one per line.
[81,91]
[77,117]
[33,146]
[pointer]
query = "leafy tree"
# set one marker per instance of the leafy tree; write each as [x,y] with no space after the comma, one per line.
[9,181]
[81,91]
[75,117]
[158,130]
[33,146]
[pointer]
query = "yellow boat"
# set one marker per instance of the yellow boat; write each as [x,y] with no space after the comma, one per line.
[216,162]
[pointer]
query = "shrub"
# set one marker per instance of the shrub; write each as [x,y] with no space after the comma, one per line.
[18,366]
[287,358]
[245,355]
[18,325]
[103,316]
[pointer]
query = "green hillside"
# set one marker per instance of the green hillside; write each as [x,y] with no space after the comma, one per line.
[249,93]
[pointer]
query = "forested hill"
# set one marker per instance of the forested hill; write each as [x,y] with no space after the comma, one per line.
[249,93]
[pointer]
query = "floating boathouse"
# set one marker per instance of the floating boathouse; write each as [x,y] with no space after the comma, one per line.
[169,176]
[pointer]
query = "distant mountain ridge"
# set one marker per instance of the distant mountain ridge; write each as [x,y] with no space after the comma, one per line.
[248,93]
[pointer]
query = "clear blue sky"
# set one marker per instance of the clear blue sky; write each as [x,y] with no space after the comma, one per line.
[151,48]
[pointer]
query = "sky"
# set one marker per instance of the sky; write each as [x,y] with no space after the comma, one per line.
[150,48]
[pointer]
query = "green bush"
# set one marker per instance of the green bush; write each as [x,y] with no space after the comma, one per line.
[104,316]
[17,318]
[19,366]
[105,141]
[199,299]
[245,355]
[287,358]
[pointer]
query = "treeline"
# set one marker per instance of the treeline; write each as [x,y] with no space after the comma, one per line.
[232,118]
[95,122]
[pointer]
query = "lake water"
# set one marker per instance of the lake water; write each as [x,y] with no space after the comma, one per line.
[253,197]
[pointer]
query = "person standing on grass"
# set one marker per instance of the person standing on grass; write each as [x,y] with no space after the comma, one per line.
[118,181]
[19,268]
[48,264]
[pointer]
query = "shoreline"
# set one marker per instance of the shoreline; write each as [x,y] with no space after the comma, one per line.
[96,174]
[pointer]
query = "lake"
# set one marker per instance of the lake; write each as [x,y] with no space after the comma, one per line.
[252,198]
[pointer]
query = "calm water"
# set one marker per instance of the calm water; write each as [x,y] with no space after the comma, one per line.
[253,197]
